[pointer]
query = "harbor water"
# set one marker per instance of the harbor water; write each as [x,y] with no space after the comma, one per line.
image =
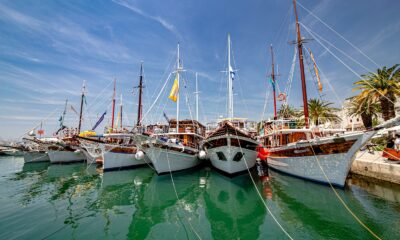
[74,201]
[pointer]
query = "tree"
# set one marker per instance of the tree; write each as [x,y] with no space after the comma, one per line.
[364,107]
[383,87]
[321,110]
[287,111]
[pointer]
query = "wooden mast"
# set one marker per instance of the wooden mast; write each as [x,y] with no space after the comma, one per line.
[273,81]
[120,110]
[139,114]
[81,110]
[303,77]
[113,106]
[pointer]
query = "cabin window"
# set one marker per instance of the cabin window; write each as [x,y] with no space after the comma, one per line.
[238,156]
[221,156]
[217,143]
[243,144]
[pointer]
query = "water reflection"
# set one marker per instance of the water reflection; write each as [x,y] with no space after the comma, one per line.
[385,190]
[158,207]
[311,206]
[74,201]
[233,207]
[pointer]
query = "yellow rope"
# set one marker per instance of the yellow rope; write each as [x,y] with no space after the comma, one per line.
[259,194]
[341,199]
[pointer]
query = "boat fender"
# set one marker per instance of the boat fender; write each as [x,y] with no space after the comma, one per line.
[202,154]
[139,155]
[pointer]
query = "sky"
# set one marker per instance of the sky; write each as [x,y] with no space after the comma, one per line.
[49,48]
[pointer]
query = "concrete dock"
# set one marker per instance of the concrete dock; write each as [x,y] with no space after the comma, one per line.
[373,165]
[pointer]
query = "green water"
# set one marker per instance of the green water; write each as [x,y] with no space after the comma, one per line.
[43,201]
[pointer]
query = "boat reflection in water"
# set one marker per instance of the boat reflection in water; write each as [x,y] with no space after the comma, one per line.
[309,206]
[233,207]
[159,212]
[74,201]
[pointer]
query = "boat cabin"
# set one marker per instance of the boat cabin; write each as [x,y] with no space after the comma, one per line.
[190,133]
[275,133]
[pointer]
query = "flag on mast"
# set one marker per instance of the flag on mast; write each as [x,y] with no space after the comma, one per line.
[232,73]
[74,110]
[99,121]
[316,71]
[173,95]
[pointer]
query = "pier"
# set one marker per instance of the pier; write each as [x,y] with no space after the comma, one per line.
[373,165]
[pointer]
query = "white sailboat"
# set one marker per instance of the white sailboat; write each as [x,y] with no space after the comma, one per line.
[230,147]
[68,150]
[316,154]
[177,149]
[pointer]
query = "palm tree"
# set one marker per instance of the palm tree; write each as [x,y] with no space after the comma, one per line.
[364,107]
[320,109]
[382,86]
[287,111]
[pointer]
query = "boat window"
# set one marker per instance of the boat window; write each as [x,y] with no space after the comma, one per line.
[221,156]
[243,144]
[217,143]
[238,156]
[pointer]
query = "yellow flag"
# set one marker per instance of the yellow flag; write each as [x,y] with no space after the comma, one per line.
[316,71]
[173,95]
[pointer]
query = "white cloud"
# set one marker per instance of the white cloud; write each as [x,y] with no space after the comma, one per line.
[170,27]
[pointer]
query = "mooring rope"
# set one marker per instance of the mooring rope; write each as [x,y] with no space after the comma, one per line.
[340,198]
[179,201]
[258,192]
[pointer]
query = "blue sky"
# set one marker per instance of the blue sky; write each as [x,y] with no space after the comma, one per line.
[48,48]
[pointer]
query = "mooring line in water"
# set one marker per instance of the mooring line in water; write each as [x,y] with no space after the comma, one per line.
[258,192]
[179,201]
[341,199]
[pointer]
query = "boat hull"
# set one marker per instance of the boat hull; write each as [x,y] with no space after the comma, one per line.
[165,161]
[36,156]
[230,166]
[330,168]
[66,156]
[117,161]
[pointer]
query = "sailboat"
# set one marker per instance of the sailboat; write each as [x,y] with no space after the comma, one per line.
[316,154]
[68,150]
[178,148]
[230,147]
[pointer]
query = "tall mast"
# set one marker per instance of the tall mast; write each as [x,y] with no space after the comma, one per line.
[120,110]
[139,115]
[230,88]
[113,106]
[273,80]
[178,98]
[303,77]
[81,110]
[197,100]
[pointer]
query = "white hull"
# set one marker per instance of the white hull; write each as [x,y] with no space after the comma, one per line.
[65,156]
[36,157]
[165,161]
[115,161]
[230,166]
[227,158]
[335,166]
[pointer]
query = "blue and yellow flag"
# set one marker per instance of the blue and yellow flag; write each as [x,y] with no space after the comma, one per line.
[173,95]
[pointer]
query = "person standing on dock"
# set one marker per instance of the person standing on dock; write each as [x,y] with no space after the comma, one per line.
[397,142]
[261,162]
